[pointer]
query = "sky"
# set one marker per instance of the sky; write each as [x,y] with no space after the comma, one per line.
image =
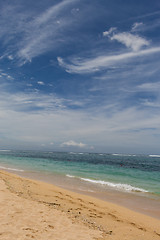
[80,75]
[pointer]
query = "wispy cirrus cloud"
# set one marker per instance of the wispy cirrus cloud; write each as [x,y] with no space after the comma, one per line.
[42,118]
[46,126]
[151,104]
[136,47]
[109,32]
[31,33]
[114,103]
[35,101]
[137,26]
[102,62]
[149,14]
[46,30]
[151,21]
[151,86]
[28,102]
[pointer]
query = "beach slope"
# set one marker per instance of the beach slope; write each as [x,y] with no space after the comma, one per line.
[36,210]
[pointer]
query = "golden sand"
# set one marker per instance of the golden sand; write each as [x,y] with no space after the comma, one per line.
[36,210]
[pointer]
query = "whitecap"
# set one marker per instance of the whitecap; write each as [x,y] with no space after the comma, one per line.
[155,156]
[123,155]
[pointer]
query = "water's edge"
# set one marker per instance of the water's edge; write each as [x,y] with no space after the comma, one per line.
[141,204]
[132,181]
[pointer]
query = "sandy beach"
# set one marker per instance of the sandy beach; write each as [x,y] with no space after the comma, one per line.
[36,210]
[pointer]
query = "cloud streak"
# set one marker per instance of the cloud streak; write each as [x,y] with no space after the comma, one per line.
[134,43]
[36,33]
[43,127]
[102,90]
[137,26]
[102,62]
[42,119]
[46,31]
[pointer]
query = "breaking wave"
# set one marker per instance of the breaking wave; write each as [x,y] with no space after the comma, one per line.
[118,186]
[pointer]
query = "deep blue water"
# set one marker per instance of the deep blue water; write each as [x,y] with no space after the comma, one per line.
[131,173]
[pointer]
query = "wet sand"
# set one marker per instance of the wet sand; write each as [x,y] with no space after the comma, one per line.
[35,210]
[145,203]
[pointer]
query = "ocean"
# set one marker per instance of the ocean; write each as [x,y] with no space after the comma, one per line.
[130,180]
[137,174]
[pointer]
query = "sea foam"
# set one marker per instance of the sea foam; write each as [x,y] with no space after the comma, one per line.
[118,186]
[68,175]
[123,155]
[12,169]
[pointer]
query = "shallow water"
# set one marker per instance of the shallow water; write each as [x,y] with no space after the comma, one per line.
[130,180]
[129,173]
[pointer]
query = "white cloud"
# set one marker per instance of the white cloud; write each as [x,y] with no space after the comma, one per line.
[137,26]
[29,85]
[34,128]
[5,75]
[40,83]
[102,62]
[10,57]
[130,41]
[111,30]
[29,101]
[9,77]
[74,11]
[134,43]
[152,104]
[72,143]
[22,125]
[151,87]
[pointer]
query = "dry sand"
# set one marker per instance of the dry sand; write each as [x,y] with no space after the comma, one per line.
[35,210]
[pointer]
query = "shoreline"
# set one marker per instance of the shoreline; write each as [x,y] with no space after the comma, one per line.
[142,203]
[104,219]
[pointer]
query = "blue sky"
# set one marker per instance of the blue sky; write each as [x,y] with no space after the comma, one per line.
[80,75]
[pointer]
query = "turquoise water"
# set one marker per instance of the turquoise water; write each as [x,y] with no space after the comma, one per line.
[127,173]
